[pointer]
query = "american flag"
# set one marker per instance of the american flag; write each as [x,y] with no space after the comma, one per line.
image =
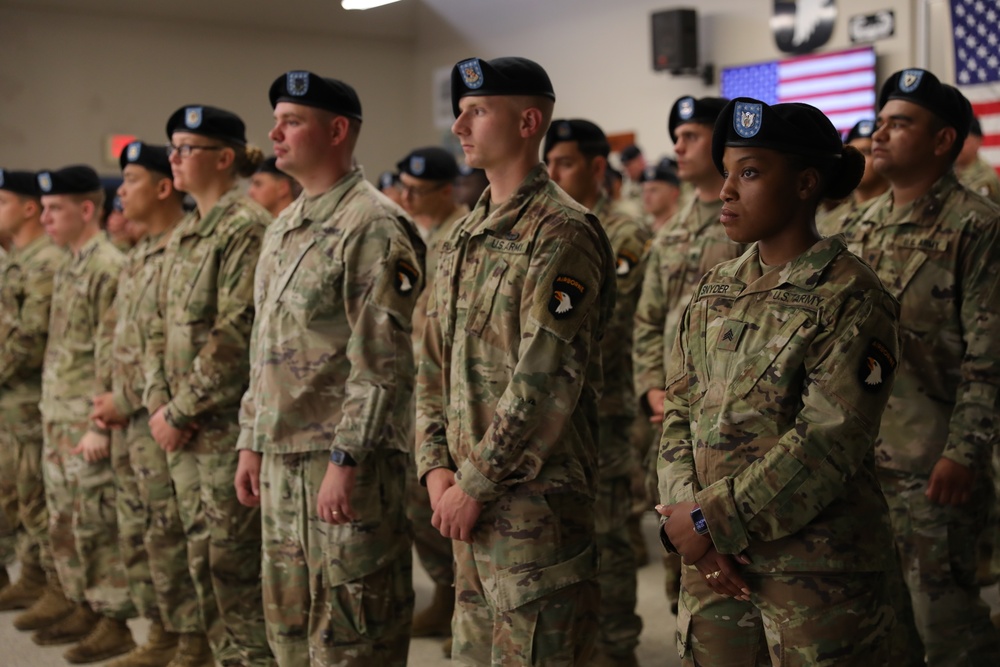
[841,84]
[976,26]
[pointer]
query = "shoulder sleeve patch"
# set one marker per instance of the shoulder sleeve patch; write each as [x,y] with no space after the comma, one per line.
[567,295]
[624,263]
[876,367]
[406,277]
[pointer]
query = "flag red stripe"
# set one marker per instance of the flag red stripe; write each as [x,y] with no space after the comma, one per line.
[826,93]
[986,108]
[825,75]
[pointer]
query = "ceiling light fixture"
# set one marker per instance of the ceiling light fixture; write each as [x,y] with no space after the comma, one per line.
[364,4]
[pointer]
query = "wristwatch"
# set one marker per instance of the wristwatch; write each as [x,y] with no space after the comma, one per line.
[698,519]
[339,457]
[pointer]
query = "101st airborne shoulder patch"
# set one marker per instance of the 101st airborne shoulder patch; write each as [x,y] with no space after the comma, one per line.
[624,263]
[406,278]
[567,295]
[876,367]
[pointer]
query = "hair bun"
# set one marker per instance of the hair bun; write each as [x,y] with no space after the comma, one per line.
[847,173]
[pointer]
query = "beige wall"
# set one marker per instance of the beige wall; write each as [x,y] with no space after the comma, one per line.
[68,80]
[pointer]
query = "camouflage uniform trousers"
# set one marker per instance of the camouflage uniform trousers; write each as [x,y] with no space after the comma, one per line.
[995,542]
[792,620]
[671,562]
[23,516]
[937,550]
[433,549]
[153,544]
[223,555]
[362,622]
[504,618]
[83,526]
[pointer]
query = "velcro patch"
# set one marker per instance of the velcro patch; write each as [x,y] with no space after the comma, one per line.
[730,334]
[406,278]
[567,294]
[922,243]
[624,263]
[792,298]
[717,289]
[876,367]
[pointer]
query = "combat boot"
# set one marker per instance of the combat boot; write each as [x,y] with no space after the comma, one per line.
[435,621]
[193,651]
[159,649]
[111,637]
[25,591]
[50,608]
[72,628]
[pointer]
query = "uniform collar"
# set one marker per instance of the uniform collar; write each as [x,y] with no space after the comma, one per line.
[805,271]
[502,219]
[925,210]
[205,226]
[30,250]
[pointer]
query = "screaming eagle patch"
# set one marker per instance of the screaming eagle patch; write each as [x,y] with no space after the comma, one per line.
[876,367]
[567,294]
[406,278]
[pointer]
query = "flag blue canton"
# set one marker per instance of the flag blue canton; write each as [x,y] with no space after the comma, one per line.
[760,81]
[976,24]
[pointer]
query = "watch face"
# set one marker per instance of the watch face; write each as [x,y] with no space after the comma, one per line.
[337,457]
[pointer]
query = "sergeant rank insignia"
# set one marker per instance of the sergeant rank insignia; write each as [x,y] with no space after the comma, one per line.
[192,117]
[297,83]
[567,294]
[406,278]
[472,73]
[876,367]
[746,119]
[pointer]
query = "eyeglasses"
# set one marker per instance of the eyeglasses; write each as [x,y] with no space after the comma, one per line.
[185,150]
[413,191]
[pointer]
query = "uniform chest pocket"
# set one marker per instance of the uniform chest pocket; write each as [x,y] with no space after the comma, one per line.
[485,301]
[311,287]
[198,274]
[777,361]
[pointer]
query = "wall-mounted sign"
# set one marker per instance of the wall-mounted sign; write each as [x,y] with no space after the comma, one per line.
[114,144]
[802,26]
[872,27]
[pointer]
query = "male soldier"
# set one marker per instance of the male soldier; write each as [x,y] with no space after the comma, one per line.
[633,166]
[272,188]
[197,368]
[388,184]
[871,186]
[115,224]
[327,421]
[935,245]
[469,186]
[507,402]
[150,531]
[682,251]
[972,170]
[576,153]
[427,176]
[79,483]
[25,298]
[661,190]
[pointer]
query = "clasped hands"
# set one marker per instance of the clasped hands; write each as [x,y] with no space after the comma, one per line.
[455,511]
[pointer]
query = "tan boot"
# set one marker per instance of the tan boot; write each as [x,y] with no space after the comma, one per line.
[25,591]
[111,637]
[72,628]
[446,647]
[50,608]
[193,651]
[435,621]
[159,649]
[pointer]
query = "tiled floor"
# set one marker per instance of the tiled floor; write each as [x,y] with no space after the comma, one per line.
[656,647]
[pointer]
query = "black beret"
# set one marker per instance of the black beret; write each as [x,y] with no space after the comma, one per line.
[921,87]
[22,182]
[665,170]
[475,77]
[588,136]
[629,153]
[690,110]
[863,129]
[431,163]
[975,129]
[110,187]
[153,158]
[796,128]
[387,179]
[270,166]
[78,179]
[312,90]
[209,122]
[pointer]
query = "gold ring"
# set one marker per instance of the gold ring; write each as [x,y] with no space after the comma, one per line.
[715,575]
[334,512]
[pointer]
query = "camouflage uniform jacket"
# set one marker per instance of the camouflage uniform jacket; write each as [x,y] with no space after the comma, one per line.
[838,219]
[197,360]
[777,385]
[331,353]
[135,308]
[434,240]
[507,379]
[681,253]
[81,328]
[940,256]
[981,178]
[25,301]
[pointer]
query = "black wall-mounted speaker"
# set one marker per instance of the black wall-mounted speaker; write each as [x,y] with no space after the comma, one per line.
[675,40]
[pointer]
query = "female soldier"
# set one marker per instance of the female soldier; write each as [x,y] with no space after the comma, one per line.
[198,368]
[780,373]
